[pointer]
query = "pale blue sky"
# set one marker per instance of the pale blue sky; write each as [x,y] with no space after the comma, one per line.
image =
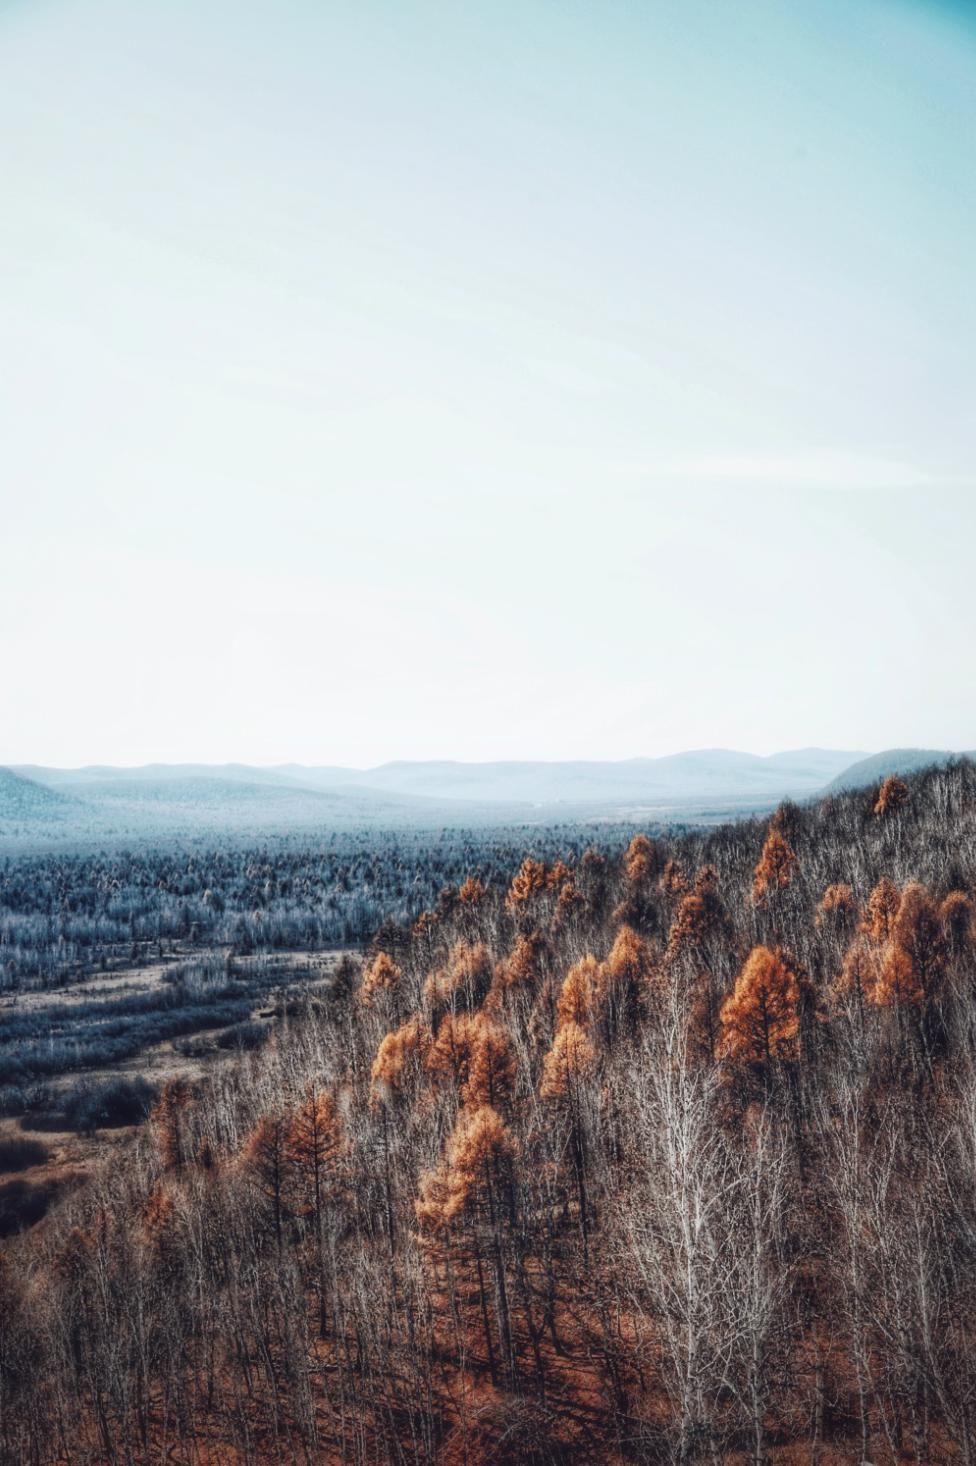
[485,380]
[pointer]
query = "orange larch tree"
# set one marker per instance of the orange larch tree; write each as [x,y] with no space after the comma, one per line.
[463,981]
[881,910]
[566,1066]
[776,867]
[672,882]
[915,954]
[568,1061]
[528,881]
[637,907]
[491,1069]
[760,1021]
[476,1054]
[625,981]
[857,979]
[382,975]
[639,861]
[837,903]
[579,993]
[700,916]
[473,1185]
[400,1054]
[892,795]
[313,1143]
[521,969]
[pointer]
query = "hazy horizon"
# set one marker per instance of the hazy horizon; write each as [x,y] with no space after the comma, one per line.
[365,768]
[485,383]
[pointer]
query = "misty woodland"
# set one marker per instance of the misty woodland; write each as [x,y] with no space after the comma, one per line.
[661,1152]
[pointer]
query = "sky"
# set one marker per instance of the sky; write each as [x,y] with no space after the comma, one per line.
[485,380]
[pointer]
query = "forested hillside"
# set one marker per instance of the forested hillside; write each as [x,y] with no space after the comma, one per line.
[669,1156]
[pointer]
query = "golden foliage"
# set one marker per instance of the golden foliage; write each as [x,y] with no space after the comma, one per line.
[477,1054]
[918,926]
[688,927]
[480,1136]
[580,992]
[639,860]
[528,881]
[381,975]
[837,901]
[760,1020]
[892,794]
[776,866]
[491,1070]
[435,1206]
[699,915]
[630,958]
[897,980]
[467,970]
[472,892]
[266,1140]
[916,952]
[559,876]
[569,903]
[672,882]
[909,943]
[470,966]
[859,972]
[425,926]
[882,908]
[480,1140]
[450,1051]
[523,965]
[569,1060]
[396,1052]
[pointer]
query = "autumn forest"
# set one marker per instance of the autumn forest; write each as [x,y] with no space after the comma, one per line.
[662,1153]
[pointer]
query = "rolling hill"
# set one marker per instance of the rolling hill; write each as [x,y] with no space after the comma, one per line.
[878,766]
[144,804]
[100,801]
[25,804]
[677,778]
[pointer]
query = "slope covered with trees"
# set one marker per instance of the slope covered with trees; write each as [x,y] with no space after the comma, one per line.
[26,806]
[901,761]
[669,1156]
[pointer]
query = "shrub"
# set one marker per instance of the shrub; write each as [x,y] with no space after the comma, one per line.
[243,1036]
[17,1152]
[107,1103]
[22,1203]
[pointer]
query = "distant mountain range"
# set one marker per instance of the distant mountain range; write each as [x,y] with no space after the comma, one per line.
[704,774]
[134,804]
[38,804]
